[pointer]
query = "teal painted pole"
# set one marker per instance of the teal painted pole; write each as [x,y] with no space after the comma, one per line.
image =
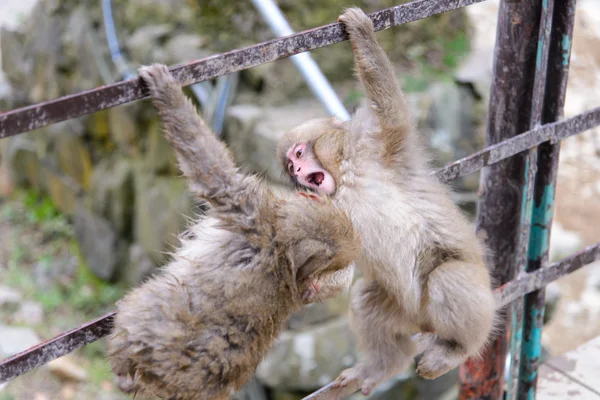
[545,185]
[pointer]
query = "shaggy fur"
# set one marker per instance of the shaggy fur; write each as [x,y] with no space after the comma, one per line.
[198,329]
[422,264]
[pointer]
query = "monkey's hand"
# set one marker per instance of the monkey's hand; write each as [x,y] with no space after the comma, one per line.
[203,158]
[310,294]
[329,285]
[356,23]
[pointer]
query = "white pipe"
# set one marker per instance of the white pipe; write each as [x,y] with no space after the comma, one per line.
[304,62]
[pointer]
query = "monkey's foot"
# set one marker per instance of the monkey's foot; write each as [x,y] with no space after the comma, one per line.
[436,362]
[356,21]
[358,376]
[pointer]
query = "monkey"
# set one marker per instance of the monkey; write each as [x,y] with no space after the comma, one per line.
[425,286]
[198,328]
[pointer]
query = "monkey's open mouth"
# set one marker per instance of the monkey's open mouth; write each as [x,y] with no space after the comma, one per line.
[316,178]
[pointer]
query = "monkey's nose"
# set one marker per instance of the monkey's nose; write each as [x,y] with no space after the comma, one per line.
[298,170]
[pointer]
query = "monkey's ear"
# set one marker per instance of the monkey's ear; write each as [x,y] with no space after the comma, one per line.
[309,257]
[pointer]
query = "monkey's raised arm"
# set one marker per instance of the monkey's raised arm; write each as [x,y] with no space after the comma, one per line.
[202,158]
[379,81]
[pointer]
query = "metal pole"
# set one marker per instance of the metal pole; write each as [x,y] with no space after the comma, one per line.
[555,88]
[304,62]
[502,209]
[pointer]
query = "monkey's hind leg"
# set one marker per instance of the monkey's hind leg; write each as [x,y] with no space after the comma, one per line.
[460,307]
[376,321]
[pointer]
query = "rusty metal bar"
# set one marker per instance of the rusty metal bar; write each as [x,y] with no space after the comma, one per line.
[502,209]
[61,345]
[540,278]
[552,133]
[38,115]
[556,85]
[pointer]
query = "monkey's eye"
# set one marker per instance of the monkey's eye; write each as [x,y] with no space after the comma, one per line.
[299,153]
[291,168]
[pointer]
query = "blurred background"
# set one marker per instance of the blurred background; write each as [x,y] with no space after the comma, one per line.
[88,207]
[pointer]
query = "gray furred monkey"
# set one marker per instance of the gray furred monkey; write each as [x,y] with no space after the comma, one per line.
[198,329]
[423,266]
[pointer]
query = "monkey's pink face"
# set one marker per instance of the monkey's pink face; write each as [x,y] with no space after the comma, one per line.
[305,169]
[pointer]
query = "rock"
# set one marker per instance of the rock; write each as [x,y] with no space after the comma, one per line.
[185,47]
[308,359]
[23,162]
[315,313]
[97,125]
[99,244]
[139,267]
[67,369]
[251,391]
[162,204]
[14,340]
[159,157]
[142,44]
[123,128]
[553,295]
[563,243]
[30,313]
[63,193]
[112,195]
[73,158]
[454,129]
[9,296]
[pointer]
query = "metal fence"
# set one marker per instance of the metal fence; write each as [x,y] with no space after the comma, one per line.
[525,126]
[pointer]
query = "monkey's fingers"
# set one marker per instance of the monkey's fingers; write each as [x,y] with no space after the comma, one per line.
[155,76]
[309,294]
[356,21]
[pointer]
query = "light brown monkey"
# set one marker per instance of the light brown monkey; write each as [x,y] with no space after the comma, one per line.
[422,264]
[198,329]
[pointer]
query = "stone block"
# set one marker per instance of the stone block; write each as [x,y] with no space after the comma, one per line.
[112,193]
[99,243]
[162,204]
[73,158]
[309,359]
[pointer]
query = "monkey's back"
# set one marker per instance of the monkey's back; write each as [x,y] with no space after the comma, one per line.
[200,327]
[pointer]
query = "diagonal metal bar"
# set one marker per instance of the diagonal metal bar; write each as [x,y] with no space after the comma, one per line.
[38,115]
[59,346]
[552,133]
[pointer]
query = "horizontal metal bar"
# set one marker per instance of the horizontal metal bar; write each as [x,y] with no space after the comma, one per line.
[38,115]
[539,279]
[98,328]
[554,133]
[505,294]
[61,345]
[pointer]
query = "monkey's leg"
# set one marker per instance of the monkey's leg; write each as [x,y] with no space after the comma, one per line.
[376,321]
[461,310]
